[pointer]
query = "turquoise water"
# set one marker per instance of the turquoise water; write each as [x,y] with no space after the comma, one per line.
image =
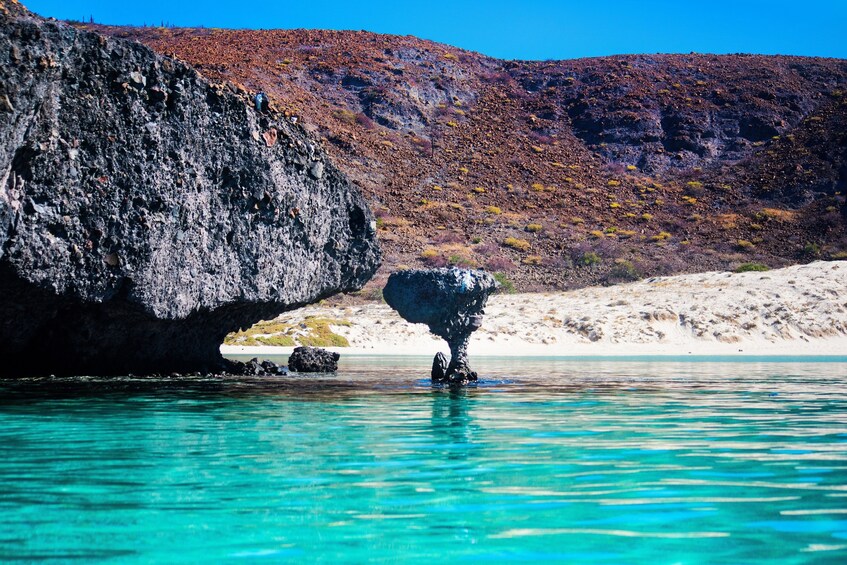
[592,461]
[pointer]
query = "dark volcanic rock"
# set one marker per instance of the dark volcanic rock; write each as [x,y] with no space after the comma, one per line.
[254,367]
[439,367]
[313,360]
[451,302]
[145,213]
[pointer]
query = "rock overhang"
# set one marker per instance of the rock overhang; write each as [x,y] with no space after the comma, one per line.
[137,195]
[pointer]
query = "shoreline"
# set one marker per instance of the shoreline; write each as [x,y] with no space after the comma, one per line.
[836,348]
[795,311]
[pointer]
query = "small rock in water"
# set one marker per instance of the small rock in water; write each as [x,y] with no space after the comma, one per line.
[313,360]
[439,367]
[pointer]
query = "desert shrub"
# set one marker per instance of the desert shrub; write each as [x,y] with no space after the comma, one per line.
[538,187]
[479,189]
[506,286]
[748,267]
[646,216]
[515,243]
[661,236]
[589,259]
[597,234]
[577,221]
[459,260]
[495,210]
[623,271]
[614,183]
[433,258]
[533,228]
[745,245]
[838,255]
[775,214]
[344,115]
[532,260]
[812,250]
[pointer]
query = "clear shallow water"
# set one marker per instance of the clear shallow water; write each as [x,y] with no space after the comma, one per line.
[591,461]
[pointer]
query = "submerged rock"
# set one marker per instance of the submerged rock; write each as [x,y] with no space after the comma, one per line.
[313,360]
[143,212]
[451,302]
[254,367]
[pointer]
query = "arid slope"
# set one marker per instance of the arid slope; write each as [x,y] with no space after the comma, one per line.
[565,173]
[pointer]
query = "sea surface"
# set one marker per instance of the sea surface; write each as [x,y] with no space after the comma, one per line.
[639,460]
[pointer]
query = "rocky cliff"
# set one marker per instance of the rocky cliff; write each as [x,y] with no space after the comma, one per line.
[145,212]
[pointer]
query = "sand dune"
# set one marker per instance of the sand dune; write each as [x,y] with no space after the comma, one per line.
[799,310]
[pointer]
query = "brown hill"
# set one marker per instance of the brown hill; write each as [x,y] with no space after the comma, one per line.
[563,173]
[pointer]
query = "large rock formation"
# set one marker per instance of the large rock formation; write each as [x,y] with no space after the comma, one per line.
[451,302]
[145,213]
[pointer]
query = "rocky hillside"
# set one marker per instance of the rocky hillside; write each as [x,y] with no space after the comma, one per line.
[562,173]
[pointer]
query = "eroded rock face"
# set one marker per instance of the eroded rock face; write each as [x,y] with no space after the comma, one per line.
[145,213]
[451,302]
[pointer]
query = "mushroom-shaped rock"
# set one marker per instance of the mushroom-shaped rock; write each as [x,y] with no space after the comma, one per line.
[451,302]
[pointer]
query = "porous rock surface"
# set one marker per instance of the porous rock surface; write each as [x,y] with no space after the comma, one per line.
[145,213]
[451,302]
[313,360]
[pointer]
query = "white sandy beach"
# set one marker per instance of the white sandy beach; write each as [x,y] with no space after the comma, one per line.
[799,310]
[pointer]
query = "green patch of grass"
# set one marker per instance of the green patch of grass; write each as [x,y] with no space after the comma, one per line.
[506,286]
[751,267]
[321,335]
[312,331]
[589,259]
[278,340]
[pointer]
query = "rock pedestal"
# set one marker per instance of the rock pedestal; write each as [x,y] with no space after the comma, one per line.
[451,302]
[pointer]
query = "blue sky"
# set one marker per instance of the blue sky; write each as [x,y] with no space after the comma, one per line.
[527,29]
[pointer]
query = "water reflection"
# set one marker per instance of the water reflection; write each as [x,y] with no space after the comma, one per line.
[451,420]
